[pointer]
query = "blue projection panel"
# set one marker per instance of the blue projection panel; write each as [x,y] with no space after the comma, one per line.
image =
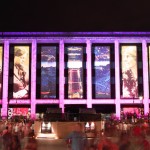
[102,72]
[48,71]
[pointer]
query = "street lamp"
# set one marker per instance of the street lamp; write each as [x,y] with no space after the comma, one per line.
[141,99]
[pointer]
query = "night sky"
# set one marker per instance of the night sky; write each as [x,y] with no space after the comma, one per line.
[83,15]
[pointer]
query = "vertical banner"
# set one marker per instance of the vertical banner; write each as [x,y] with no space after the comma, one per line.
[129,72]
[21,72]
[75,71]
[48,71]
[102,71]
[1,64]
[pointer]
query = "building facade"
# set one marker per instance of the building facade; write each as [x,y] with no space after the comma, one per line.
[90,68]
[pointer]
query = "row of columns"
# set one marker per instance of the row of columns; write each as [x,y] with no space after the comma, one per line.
[62,78]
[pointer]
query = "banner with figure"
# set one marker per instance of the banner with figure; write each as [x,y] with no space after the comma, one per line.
[21,72]
[129,72]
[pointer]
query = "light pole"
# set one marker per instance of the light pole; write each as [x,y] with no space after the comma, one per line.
[141,99]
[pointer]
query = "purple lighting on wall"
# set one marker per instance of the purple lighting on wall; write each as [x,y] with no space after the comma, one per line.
[5,80]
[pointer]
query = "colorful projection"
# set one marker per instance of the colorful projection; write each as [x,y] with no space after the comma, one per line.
[102,71]
[129,72]
[21,72]
[48,71]
[131,110]
[18,112]
[75,71]
[1,58]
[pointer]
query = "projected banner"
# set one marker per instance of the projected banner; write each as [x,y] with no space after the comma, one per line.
[18,112]
[129,72]
[21,72]
[48,71]
[1,64]
[131,110]
[75,71]
[102,71]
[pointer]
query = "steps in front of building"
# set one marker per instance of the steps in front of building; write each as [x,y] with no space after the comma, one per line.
[47,135]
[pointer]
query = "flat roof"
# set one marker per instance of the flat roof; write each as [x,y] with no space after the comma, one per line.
[74,34]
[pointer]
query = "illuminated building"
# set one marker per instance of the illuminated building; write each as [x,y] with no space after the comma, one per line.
[87,68]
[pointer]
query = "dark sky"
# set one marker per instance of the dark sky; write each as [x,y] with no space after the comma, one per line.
[83,15]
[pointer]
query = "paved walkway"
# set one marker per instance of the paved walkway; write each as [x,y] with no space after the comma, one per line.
[49,144]
[44,144]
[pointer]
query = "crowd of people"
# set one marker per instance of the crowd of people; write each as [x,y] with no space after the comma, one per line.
[135,139]
[120,136]
[17,135]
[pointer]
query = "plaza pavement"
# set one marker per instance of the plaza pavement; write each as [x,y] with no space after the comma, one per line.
[44,144]
[53,144]
[50,144]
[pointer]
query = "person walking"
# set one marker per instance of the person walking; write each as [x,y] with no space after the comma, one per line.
[77,139]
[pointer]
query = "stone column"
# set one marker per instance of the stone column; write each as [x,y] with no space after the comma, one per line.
[89,74]
[61,75]
[33,78]
[145,77]
[5,80]
[117,79]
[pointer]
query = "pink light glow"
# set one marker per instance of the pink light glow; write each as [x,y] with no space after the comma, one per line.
[61,78]
[50,101]
[89,76]
[131,110]
[20,111]
[5,80]
[145,76]
[22,101]
[33,79]
[117,78]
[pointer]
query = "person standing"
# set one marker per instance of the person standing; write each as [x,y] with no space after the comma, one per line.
[7,139]
[77,138]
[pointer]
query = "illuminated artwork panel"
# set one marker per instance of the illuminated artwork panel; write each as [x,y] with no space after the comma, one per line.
[1,66]
[75,71]
[131,110]
[48,71]
[18,112]
[129,72]
[102,71]
[21,72]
